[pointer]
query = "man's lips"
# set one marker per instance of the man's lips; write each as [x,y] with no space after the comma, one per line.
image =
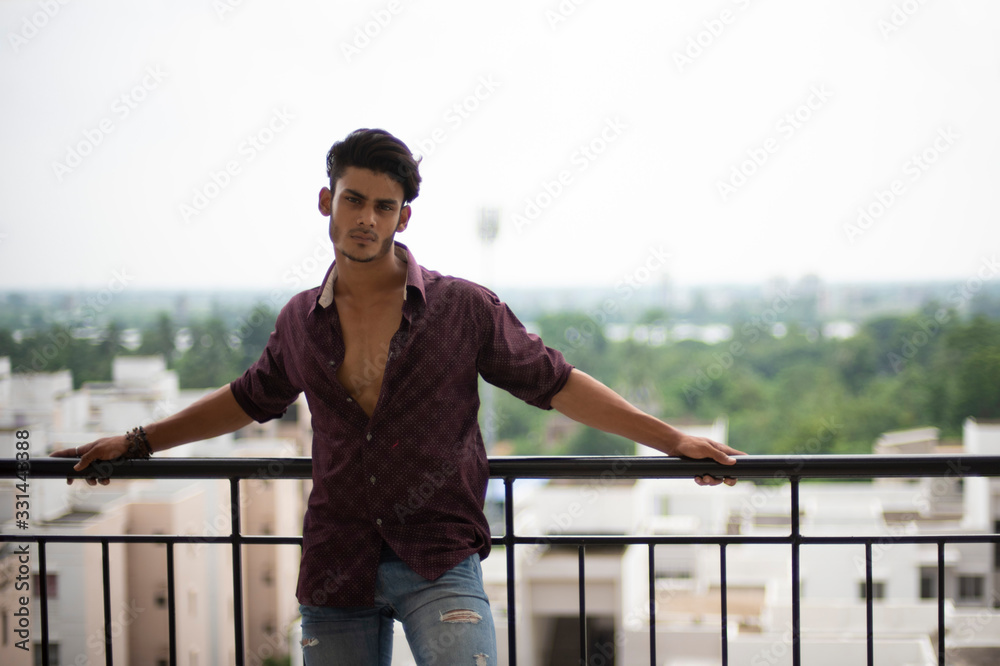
[361,236]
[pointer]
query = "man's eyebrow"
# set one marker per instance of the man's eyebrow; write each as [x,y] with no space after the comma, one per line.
[361,196]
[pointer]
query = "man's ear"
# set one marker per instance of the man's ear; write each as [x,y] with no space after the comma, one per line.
[404,218]
[325,201]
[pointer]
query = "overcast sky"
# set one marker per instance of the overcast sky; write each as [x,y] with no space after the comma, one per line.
[182,144]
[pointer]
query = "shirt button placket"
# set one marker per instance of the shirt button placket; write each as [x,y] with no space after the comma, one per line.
[378,521]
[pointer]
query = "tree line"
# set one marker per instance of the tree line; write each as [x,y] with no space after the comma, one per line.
[796,392]
[215,350]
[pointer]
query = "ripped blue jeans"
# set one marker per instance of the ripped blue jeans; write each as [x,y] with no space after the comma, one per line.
[446,621]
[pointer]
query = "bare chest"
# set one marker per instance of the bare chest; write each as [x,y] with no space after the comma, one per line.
[367,333]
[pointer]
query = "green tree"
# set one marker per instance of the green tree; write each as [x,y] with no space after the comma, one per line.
[593,442]
[253,331]
[212,359]
[158,340]
[978,386]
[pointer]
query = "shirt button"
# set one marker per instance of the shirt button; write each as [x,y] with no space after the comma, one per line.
[373,480]
[378,521]
[349,400]
[368,437]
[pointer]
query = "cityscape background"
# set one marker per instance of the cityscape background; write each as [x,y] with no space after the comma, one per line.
[770,223]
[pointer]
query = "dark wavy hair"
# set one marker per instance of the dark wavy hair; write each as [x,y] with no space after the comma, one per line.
[379,151]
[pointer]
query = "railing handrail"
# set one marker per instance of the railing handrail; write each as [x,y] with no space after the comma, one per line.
[791,468]
[549,467]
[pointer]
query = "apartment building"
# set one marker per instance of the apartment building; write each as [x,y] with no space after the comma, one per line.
[687,582]
[758,576]
[141,390]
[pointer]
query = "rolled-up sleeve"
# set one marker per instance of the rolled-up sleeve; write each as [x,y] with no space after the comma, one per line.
[265,390]
[515,360]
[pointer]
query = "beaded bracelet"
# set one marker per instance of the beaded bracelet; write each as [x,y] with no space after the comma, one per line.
[138,444]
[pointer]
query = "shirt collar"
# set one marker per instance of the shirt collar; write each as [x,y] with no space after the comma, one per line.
[414,278]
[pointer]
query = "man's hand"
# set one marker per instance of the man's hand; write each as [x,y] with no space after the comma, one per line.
[215,414]
[700,448]
[106,448]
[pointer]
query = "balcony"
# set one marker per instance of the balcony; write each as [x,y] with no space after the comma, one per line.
[728,605]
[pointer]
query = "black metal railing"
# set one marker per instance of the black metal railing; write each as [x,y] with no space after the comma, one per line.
[790,469]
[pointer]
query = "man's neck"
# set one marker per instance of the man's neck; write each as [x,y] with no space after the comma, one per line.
[365,280]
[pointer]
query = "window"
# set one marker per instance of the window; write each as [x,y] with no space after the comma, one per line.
[996,546]
[878,590]
[970,588]
[53,653]
[928,583]
[675,574]
[51,580]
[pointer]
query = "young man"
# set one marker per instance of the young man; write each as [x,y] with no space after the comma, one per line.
[388,354]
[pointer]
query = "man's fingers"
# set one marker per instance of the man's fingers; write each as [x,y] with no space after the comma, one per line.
[84,461]
[723,458]
[709,480]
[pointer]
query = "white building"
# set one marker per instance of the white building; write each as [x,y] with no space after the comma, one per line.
[687,576]
[759,584]
[142,390]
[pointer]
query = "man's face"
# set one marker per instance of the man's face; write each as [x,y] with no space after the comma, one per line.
[366,210]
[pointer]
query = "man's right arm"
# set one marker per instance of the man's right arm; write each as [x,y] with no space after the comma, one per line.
[216,414]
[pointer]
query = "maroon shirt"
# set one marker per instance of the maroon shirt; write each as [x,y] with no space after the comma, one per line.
[414,474]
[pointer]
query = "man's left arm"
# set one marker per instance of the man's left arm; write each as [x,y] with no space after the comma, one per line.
[588,401]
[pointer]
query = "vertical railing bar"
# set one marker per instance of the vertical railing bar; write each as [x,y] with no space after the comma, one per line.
[940,563]
[44,599]
[106,571]
[652,607]
[796,609]
[724,607]
[171,606]
[234,503]
[870,603]
[508,539]
[583,608]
